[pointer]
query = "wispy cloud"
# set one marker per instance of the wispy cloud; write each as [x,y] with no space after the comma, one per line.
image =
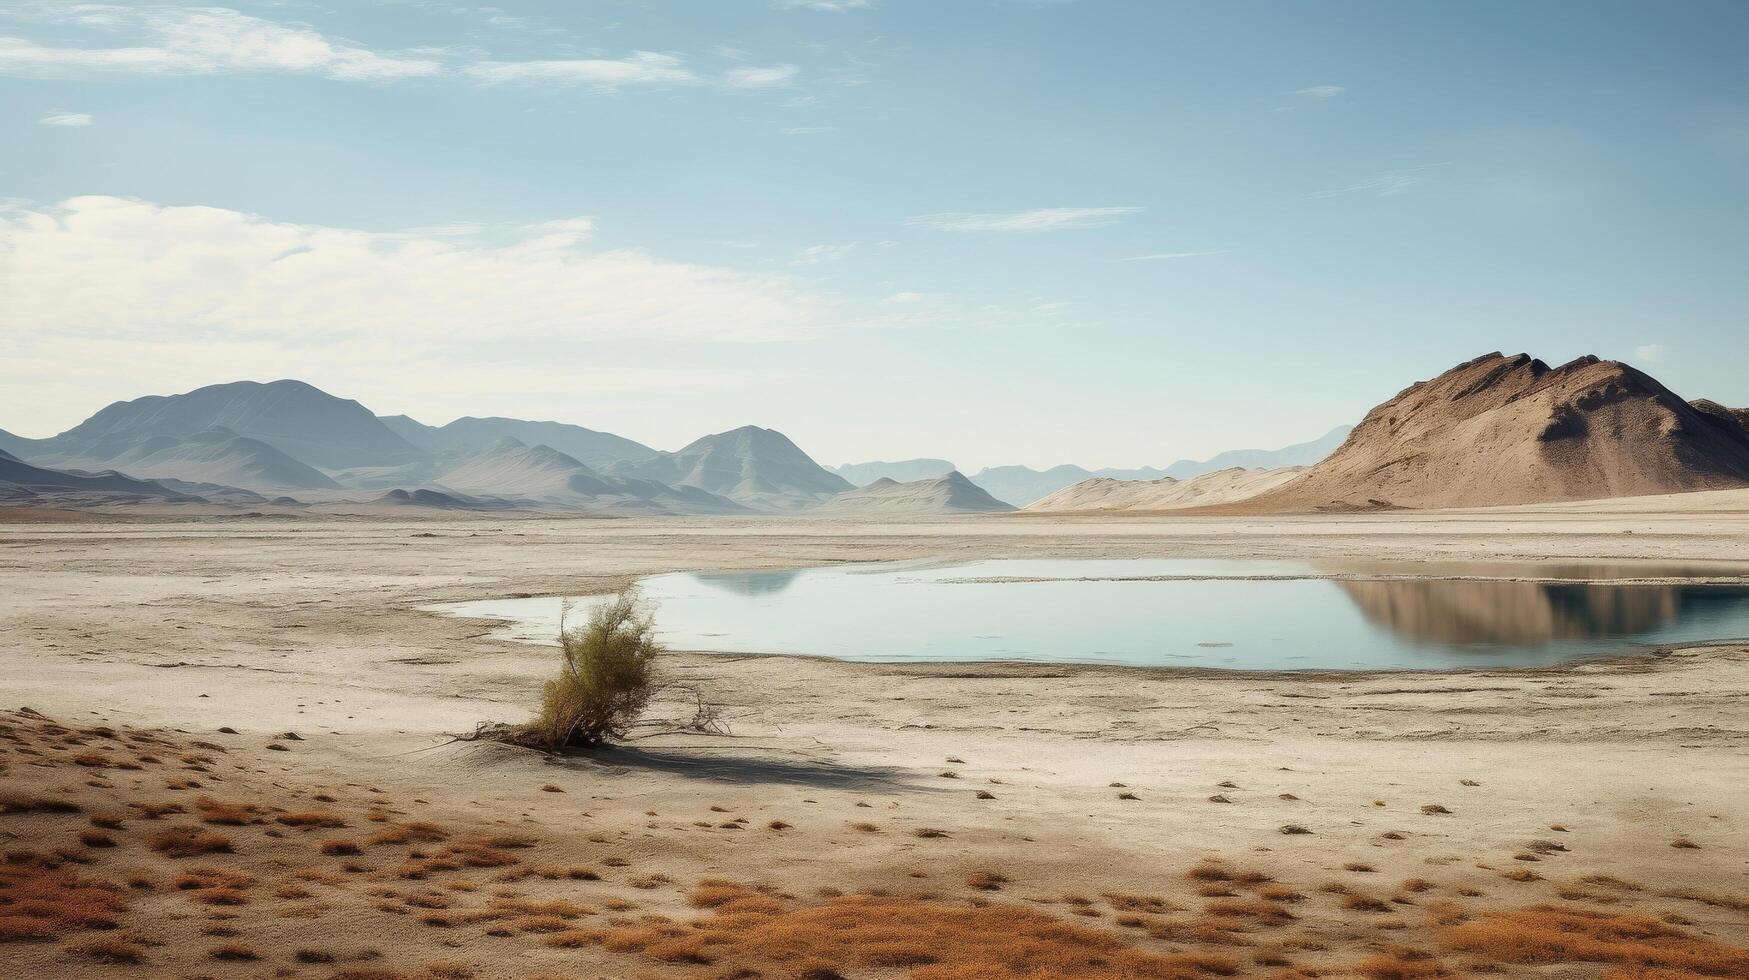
[639,68]
[1389,183]
[805,130]
[1649,353]
[822,254]
[770,77]
[1040,219]
[830,6]
[70,119]
[179,40]
[1162,256]
[1320,91]
[200,41]
[118,268]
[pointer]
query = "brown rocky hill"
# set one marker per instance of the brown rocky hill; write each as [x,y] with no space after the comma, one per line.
[1512,430]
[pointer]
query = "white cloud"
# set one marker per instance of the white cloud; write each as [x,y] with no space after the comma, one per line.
[1390,183]
[105,267]
[1041,219]
[577,229]
[639,68]
[203,40]
[804,130]
[1162,256]
[830,6]
[771,77]
[70,119]
[178,40]
[821,254]
[905,299]
[1649,353]
[1321,91]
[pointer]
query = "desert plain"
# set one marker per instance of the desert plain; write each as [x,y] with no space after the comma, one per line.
[229,750]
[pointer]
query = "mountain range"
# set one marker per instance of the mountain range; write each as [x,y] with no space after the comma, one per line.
[1494,430]
[1023,486]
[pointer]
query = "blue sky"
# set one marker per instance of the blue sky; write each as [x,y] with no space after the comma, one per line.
[1112,233]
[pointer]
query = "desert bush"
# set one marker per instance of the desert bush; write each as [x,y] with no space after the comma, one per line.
[607,676]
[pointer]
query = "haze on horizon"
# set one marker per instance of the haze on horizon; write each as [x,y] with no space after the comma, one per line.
[994,232]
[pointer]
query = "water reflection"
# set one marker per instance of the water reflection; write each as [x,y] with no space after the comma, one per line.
[1507,613]
[748,583]
[1260,615]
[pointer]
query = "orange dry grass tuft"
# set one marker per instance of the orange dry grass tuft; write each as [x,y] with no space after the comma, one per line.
[1543,934]
[224,814]
[1402,964]
[751,934]
[407,833]
[38,902]
[180,842]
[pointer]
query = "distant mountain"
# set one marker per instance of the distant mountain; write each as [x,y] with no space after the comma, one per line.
[217,456]
[951,493]
[1512,430]
[18,447]
[542,474]
[469,434]
[759,468]
[900,471]
[1219,487]
[22,481]
[297,419]
[1021,485]
[1298,454]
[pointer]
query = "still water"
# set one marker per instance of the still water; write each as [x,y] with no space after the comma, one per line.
[1249,615]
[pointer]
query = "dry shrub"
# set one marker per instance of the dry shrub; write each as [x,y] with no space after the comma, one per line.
[340,848]
[607,676]
[39,902]
[181,842]
[751,934]
[233,952]
[1402,964]
[224,814]
[1546,935]
[407,833]
[24,803]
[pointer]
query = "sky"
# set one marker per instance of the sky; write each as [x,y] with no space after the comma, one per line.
[1107,232]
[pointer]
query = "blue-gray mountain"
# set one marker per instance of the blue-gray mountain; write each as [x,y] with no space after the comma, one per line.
[227,442]
[757,467]
[472,434]
[1021,485]
[899,471]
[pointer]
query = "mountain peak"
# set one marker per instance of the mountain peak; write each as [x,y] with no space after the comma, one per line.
[1508,430]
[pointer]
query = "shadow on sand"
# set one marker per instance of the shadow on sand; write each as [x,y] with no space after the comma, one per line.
[717,767]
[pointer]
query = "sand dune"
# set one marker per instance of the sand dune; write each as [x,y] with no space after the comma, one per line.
[1219,487]
[1510,430]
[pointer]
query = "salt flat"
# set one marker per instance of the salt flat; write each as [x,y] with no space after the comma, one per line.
[312,625]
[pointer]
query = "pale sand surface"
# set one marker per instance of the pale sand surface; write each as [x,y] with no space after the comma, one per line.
[313,625]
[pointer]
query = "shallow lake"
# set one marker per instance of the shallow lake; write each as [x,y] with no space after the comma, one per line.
[1249,615]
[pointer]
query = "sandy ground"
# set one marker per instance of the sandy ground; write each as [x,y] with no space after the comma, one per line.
[172,630]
